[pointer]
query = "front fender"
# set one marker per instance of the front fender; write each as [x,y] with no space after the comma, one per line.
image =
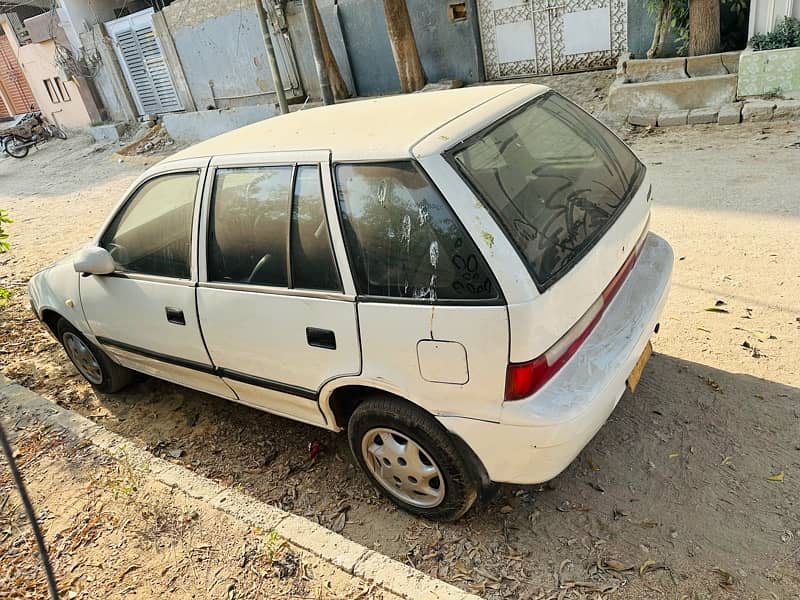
[57,289]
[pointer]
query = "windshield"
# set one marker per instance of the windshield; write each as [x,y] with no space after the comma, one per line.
[554,177]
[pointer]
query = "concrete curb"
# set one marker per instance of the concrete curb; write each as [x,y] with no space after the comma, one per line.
[19,404]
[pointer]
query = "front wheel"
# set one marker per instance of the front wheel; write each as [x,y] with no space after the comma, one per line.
[95,365]
[17,146]
[411,459]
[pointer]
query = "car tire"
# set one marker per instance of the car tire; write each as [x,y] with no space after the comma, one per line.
[411,459]
[91,362]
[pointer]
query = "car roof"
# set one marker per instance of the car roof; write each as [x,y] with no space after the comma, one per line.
[372,129]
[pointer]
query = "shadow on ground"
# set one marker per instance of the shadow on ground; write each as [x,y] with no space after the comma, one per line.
[676,483]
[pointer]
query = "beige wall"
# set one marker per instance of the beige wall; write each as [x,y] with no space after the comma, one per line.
[38,63]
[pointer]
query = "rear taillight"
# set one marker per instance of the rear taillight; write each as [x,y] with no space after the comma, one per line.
[524,379]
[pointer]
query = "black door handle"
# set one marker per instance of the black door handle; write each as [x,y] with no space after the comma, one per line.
[321,338]
[175,315]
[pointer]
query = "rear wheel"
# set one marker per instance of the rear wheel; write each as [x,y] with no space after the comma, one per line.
[55,131]
[16,146]
[91,362]
[411,459]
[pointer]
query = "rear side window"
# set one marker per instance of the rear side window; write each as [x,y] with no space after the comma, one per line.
[555,178]
[152,235]
[248,226]
[403,239]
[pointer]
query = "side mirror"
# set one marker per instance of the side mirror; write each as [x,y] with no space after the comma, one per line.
[94,261]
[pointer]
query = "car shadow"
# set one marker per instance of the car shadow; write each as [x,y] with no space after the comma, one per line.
[677,483]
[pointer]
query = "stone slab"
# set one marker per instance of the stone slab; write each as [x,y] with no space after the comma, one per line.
[705,66]
[770,72]
[730,114]
[758,110]
[673,118]
[730,61]
[786,110]
[107,133]
[678,94]
[699,116]
[655,69]
[643,118]
[197,126]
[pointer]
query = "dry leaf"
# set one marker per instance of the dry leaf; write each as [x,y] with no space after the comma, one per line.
[646,565]
[593,466]
[616,565]
[674,455]
[338,522]
[776,477]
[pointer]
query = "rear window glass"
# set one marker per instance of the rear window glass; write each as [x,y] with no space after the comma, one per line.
[555,178]
[403,239]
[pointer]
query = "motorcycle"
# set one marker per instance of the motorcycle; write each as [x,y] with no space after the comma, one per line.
[31,128]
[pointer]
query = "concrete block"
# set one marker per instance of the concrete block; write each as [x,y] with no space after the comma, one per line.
[705,66]
[190,484]
[698,116]
[672,118]
[770,72]
[758,110]
[327,544]
[393,575]
[655,69]
[730,60]
[678,94]
[730,114]
[248,509]
[198,126]
[786,110]
[107,133]
[643,118]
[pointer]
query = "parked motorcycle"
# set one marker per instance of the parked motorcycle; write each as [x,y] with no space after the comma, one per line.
[30,129]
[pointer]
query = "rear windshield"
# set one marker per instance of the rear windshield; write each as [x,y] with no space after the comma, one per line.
[554,177]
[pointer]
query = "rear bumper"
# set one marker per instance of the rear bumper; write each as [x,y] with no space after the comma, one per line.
[540,436]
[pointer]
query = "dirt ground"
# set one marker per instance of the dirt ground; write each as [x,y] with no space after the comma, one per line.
[113,532]
[691,490]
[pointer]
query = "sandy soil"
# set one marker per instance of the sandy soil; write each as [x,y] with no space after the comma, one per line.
[113,532]
[671,499]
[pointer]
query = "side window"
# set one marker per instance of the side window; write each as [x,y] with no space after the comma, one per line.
[404,240]
[152,234]
[313,267]
[249,223]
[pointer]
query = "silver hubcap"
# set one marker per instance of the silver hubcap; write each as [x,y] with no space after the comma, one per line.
[83,359]
[402,467]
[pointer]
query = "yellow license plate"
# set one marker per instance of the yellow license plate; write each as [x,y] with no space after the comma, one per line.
[636,374]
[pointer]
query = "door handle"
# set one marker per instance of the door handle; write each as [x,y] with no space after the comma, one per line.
[175,315]
[321,338]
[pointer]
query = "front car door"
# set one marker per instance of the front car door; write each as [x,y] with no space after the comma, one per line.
[272,300]
[144,313]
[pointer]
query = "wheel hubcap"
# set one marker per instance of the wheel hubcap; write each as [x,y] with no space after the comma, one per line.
[82,357]
[402,467]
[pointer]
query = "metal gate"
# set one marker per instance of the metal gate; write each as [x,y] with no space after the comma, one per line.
[537,37]
[142,60]
[16,94]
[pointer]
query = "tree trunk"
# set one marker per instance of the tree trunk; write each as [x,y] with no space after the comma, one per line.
[339,87]
[404,46]
[661,30]
[704,33]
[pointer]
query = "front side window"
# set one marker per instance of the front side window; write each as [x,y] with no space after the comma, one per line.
[249,225]
[555,178]
[152,235]
[403,239]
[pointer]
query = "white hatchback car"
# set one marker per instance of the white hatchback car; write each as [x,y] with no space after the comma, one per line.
[462,280]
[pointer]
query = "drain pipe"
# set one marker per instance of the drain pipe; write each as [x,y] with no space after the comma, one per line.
[277,81]
[316,49]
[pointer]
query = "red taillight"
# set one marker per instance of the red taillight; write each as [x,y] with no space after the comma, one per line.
[524,379]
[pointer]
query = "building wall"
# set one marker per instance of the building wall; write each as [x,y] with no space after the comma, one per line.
[38,63]
[765,14]
[221,51]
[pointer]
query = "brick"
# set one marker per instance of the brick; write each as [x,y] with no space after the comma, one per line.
[643,118]
[698,116]
[655,69]
[730,114]
[672,118]
[786,110]
[758,110]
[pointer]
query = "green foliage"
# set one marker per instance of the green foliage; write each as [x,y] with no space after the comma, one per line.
[785,35]
[4,218]
[733,23]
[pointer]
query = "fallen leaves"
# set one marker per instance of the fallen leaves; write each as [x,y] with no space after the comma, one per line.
[779,476]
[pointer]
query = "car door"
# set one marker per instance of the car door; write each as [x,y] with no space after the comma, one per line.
[273,309]
[144,313]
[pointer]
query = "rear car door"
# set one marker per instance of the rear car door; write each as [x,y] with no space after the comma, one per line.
[273,310]
[144,313]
